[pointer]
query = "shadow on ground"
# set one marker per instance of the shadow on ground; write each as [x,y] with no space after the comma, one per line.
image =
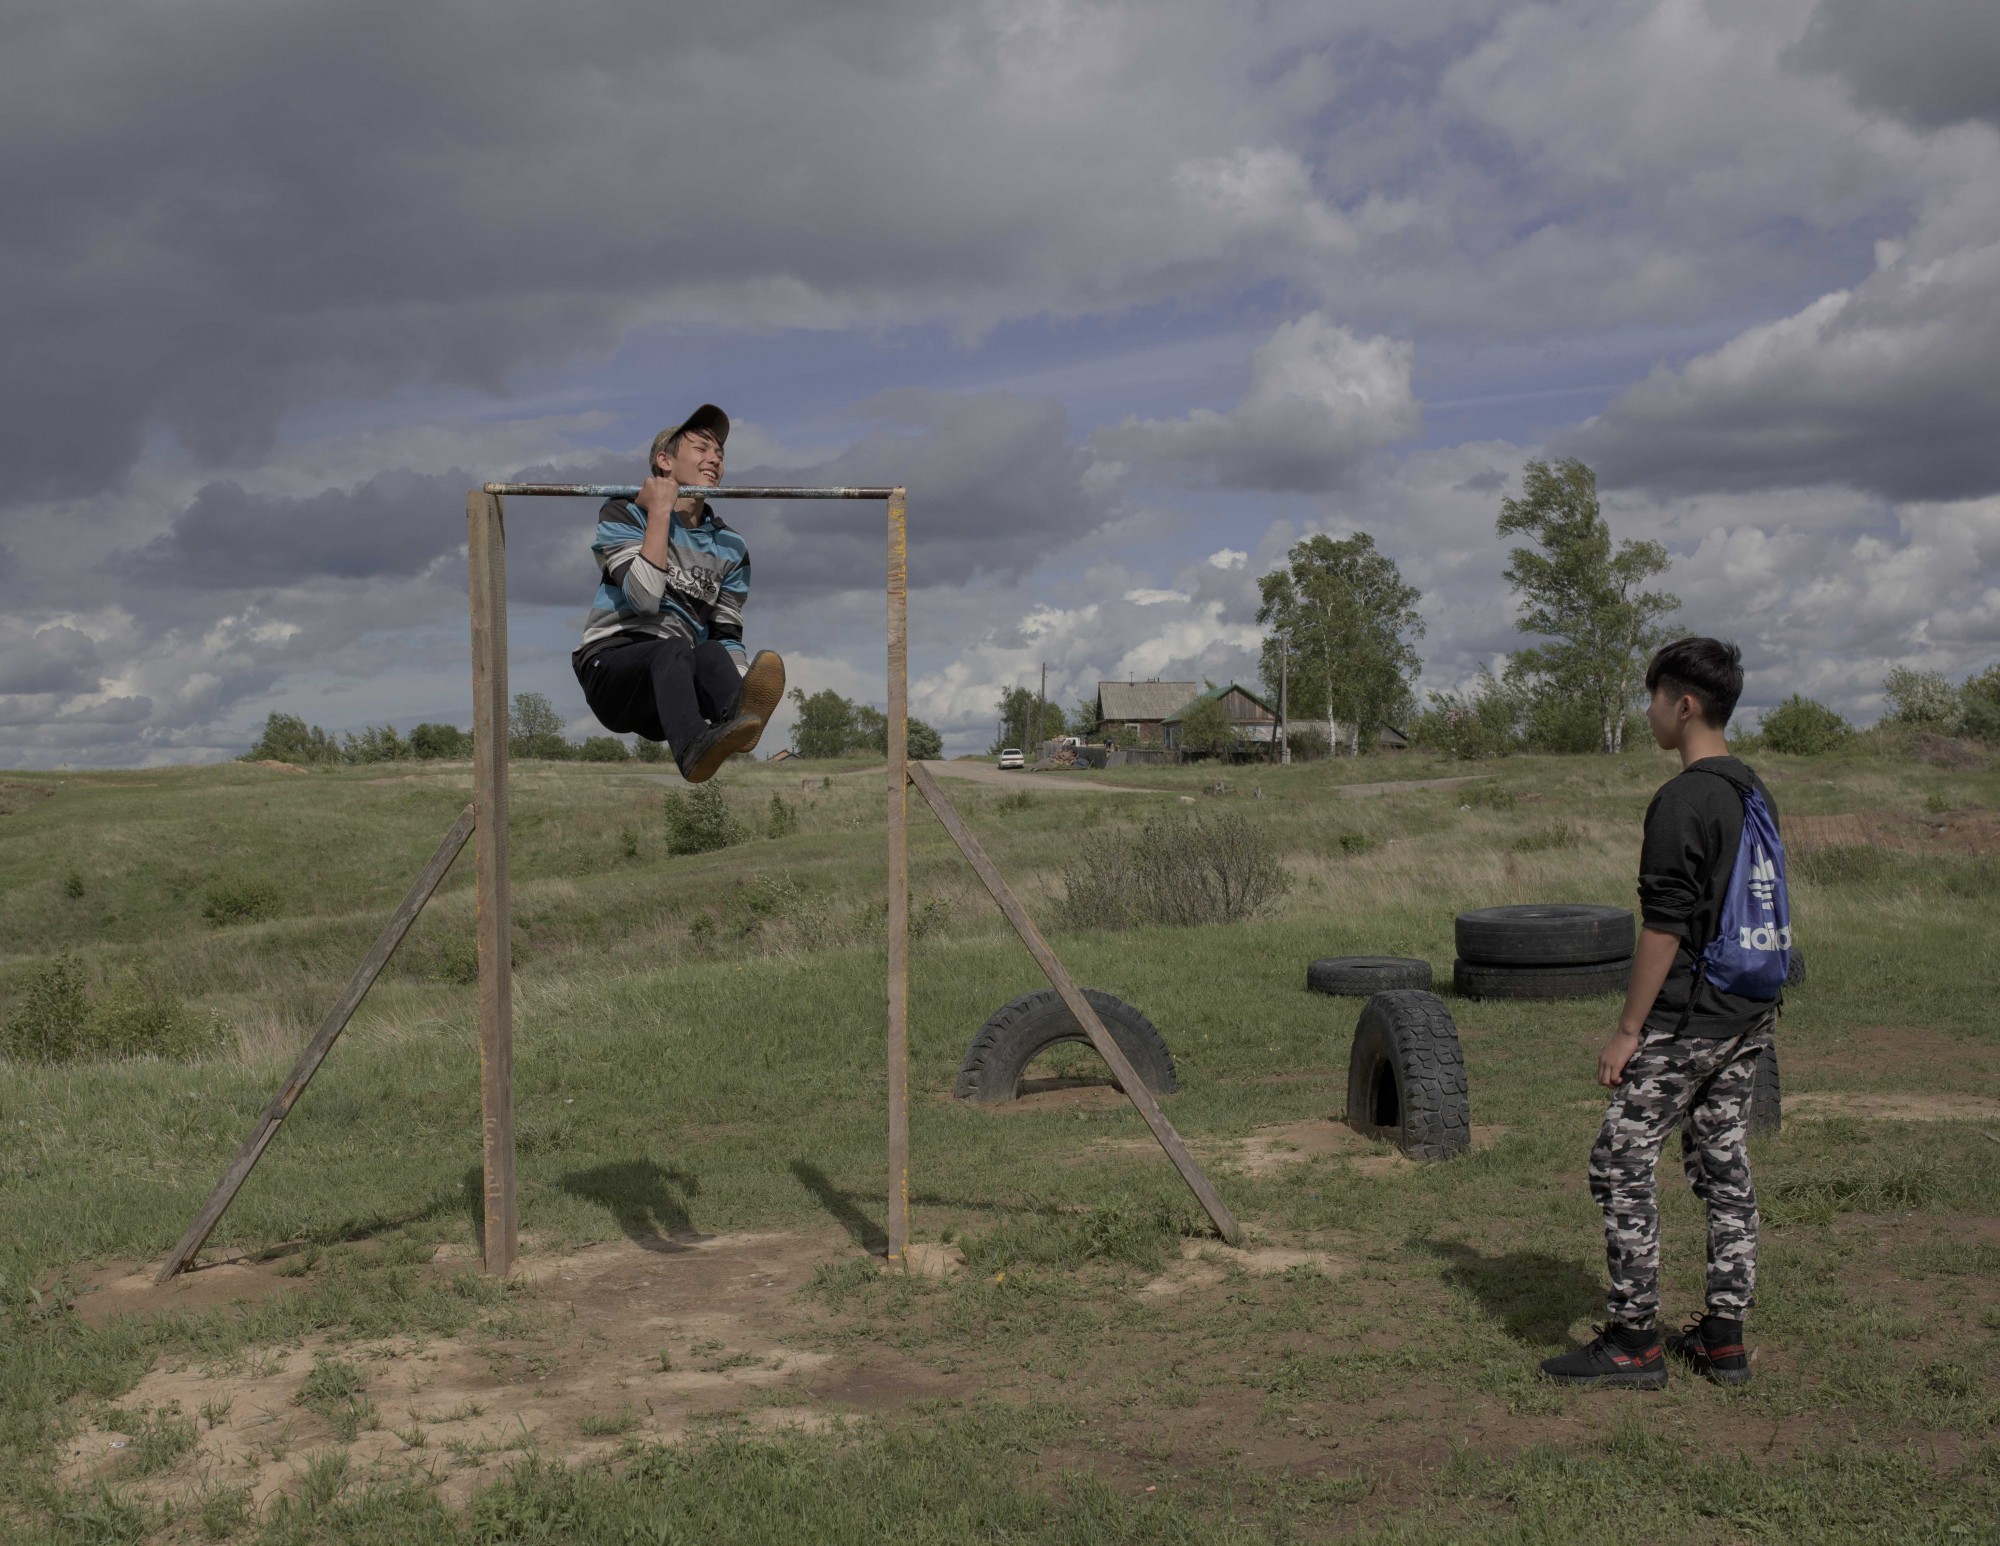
[646,1200]
[861,1227]
[1535,1296]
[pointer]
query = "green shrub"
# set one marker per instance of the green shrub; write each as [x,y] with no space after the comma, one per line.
[73,885]
[1309,743]
[1557,834]
[241,899]
[603,748]
[1801,727]
[141,1019]
[1924,698]
[1979,706]
[1185,870]
[432,742]
[50,1022]
[699,821]
[783,819]
[650,751]
[55,1021]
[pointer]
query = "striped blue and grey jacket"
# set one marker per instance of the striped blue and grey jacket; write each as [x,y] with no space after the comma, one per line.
[699,595]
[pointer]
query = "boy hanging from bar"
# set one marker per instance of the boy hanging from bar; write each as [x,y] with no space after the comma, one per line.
[662,653]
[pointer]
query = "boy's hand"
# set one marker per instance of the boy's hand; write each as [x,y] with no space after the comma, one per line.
[657,494]
[1616,1054]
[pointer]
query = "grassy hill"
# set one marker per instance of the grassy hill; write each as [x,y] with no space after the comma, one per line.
[699,1044]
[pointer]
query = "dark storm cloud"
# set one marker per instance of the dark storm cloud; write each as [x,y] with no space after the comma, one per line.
[58,659]
[395,523]
[996,488]
[224,210]
[1931,63]
[1888,388]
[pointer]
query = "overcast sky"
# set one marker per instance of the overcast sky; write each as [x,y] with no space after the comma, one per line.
[1131,294]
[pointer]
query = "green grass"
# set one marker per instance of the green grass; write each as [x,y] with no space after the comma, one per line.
[698,1050]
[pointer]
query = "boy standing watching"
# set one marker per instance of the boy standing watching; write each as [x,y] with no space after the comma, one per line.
[1685,1052]
[662,653]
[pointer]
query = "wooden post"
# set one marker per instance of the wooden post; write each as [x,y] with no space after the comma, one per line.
[899,883]
[1079,1006]
[266,1127]
[486,551]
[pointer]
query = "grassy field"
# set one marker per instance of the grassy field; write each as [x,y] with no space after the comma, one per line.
[698,1072]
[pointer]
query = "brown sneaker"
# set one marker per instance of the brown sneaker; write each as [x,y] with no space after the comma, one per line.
[764,686]
[716,745]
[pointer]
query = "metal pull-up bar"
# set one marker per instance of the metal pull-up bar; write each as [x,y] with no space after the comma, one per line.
[688,491]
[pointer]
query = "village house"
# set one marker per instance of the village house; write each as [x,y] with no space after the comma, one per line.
[1140,707]
[1253,721]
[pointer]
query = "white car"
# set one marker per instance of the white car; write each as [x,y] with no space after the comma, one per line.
[1012,758]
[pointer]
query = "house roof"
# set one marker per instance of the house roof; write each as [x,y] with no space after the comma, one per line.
[1142,700]
[1218,693]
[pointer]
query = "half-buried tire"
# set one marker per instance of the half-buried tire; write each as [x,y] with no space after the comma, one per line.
[1795,973]
[1365,976]
[1471,980]
[1544,934]
[1406,1076]
[1034,1022]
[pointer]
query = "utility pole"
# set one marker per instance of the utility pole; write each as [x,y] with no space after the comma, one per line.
[1042,712]
[1284,682]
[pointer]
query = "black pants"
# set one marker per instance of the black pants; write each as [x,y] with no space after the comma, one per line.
[663,689]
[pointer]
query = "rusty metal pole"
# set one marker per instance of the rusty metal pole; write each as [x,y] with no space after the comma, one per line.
[486,552]
[899,883]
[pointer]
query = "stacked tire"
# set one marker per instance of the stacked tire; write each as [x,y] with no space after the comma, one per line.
[1543,950]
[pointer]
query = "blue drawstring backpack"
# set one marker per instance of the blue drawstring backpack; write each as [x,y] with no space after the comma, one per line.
[1752,948]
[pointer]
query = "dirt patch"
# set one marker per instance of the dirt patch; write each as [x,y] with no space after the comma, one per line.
[276,766]
[1204,1264]
[1965,833]
[126,1290]
[1274,1149]
[1894,1108]
[1868,1051]
[1062,1094]
[611,1344]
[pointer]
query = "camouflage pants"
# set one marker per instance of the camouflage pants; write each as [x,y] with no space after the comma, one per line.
[1702,1086]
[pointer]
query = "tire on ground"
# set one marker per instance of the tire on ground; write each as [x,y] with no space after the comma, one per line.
[1406,1076]
[1544,934]
[1795,973]
[1471,980]
[1023,1030]
[1365,976]
[1766,1113]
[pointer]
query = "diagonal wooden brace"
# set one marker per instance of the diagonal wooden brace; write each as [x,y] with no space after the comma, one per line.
[316,1050]
[1072,996]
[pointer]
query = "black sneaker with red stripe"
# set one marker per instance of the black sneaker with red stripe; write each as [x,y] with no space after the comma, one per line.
[1618,1358]
[1713,1348]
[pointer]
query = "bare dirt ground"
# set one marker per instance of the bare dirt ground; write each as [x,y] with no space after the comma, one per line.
[618,1342]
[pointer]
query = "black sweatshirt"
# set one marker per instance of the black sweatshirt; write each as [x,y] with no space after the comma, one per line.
[1692,829]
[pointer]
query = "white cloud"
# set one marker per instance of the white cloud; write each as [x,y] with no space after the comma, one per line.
[1320,401]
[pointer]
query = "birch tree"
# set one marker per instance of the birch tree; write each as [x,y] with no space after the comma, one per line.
[1583,594]
[1350,619]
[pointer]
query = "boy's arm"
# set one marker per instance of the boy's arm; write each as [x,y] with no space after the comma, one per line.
[727,623]
[1650,965]
[620,552]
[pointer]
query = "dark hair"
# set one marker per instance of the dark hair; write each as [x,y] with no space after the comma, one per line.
[669,441]
[1708,670]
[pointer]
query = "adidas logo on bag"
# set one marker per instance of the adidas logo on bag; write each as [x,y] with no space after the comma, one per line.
[1764,879]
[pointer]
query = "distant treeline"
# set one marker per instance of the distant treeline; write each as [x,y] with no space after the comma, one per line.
[534,730]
